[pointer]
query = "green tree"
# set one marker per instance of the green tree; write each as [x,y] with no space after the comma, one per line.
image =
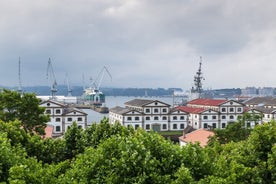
[46,150]
[233,132]
[96,133]
[25,108]
[9,156]
[73,141]
[15,134]
[139,158]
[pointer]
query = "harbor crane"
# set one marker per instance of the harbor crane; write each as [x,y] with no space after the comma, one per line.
[51,77]
[69,88]
[97,83]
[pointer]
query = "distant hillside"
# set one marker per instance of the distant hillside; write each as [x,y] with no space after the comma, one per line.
[78,91]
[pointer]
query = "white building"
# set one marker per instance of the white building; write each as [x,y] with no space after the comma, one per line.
[198,113]
[264,106]
[213,113]
[62,116]
[149,114]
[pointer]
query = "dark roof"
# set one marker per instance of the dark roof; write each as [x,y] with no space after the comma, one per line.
[188,129]
[71,109]
[265,110]
[54,102]
[138,102]
[120,110]
[261,101]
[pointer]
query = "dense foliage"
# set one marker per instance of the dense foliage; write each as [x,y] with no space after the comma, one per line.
[105,153]
[24,107]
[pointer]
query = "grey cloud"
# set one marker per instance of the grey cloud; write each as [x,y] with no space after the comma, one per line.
[151,43]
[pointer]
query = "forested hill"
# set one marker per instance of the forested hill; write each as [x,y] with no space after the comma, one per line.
[108,91]
[78,91]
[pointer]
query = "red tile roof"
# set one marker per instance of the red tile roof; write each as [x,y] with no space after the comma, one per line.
[192,110]
[200,135]
[48,131]
[207,101]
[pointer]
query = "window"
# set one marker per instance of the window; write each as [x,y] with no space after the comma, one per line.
[79,119]
[58,129]
[164,126]
[174,117]
[239,109]
[205,125]
[136,127]
[164,118]
[48,104]
[268,116]
[80,127]
[195,116]
[231,117]
[147,118]
[205,117]
[147,110]
[69,119]
[164,110]
[182,117]
[147,126]
[58,111]
[231,109]
[182,126]
[156,110]
[223,109]
[223,117]
[57,119]
[174,126]
[156,118]
[214,125]
[137,118]
[48,111]
[156,103]
[248,125]
[214,117]
[129,118]
[223,125]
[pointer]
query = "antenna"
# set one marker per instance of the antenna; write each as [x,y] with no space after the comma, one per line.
[19,77]
[198,79]
[69,89]
[52,78]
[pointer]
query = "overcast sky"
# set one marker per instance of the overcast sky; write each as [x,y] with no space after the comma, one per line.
[143,43]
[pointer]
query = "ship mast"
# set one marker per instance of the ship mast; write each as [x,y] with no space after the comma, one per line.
[19,77]
[198,80]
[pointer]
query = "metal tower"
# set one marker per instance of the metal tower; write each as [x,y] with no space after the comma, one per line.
[198,80]
[51,77]
[20,90]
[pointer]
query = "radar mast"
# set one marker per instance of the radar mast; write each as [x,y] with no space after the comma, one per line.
[197,89]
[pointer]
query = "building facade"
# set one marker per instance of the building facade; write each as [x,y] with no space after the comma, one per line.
[62,116]
[198,113]
[149,114]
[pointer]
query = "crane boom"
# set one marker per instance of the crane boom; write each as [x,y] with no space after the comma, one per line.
[100,77]
[51,77]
